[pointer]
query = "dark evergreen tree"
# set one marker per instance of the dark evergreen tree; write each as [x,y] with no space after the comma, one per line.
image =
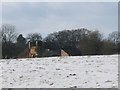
[21,39]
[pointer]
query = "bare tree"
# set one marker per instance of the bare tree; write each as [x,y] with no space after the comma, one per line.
[114,37]
[34,37]
[8,33]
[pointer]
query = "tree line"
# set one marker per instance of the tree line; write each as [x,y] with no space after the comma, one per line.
[86,41]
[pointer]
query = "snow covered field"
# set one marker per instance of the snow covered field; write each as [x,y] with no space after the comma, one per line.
[60,72]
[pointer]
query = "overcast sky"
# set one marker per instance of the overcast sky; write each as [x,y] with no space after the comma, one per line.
[47,17]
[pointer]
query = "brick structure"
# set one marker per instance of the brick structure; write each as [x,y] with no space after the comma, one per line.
[63,53]
[32,52]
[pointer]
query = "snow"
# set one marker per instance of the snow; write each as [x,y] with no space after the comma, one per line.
[60,72]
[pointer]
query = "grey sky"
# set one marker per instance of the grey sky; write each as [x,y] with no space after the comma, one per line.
[48,17]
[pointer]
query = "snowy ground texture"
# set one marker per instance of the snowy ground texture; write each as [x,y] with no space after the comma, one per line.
[60,72]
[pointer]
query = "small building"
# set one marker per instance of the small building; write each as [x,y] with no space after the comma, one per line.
[30,51]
